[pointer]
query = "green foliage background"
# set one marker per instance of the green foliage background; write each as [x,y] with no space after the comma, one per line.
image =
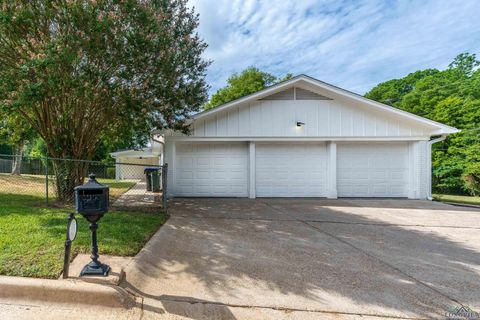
[450,96]
[241,84]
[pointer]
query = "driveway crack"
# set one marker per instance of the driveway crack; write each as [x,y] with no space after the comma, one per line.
[285,309]
[381,224]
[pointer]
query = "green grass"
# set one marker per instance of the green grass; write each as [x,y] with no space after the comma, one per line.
[457,199]
[34,185]
[117,188]
[32,236]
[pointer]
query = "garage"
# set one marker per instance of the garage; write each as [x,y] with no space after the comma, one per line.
[290,170]
[303,138]
[211,170]
[372,170]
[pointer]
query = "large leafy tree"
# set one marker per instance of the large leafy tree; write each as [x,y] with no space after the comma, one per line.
[80,70]
[451,96]
[16,131]
[241,84]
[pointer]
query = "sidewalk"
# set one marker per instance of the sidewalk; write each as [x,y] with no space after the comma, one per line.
[138,196]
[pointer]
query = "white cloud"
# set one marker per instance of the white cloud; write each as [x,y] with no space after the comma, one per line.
[352,44]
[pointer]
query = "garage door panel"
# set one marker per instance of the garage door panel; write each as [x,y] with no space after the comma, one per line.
[211,169]
[186,175]
[290,170]
[184,189]
[201,175]
[201,162]
[372,170]
[185,148]
[379,189]
[379,174]
[186,162]
[396,175]
[396,190]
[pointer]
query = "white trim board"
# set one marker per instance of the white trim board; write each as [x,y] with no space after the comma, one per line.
[199,139]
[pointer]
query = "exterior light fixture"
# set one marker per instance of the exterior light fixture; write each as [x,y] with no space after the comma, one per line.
[300,124]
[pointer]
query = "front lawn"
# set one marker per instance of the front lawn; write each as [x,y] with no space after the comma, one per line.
[457,199]
[32,236]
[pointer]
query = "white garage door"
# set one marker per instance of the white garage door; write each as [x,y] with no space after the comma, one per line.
[211,169]
[290,170]
[372,170]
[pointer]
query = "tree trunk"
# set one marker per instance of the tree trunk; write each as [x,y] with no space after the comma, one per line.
[68,175]
[17,159]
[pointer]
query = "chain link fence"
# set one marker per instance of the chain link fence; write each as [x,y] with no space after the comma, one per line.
[54,180]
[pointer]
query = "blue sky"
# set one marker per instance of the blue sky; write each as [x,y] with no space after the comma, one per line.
[348,43]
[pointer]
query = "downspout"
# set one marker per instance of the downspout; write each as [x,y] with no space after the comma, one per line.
[429,161]
[163,147]
[162,157]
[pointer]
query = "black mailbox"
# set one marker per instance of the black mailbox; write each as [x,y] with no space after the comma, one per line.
[91,201]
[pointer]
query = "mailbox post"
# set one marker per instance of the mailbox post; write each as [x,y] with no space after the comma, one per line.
[91,201]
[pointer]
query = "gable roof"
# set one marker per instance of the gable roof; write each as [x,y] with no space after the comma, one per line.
[315,83]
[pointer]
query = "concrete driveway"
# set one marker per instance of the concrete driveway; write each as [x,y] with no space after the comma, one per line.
[310,259]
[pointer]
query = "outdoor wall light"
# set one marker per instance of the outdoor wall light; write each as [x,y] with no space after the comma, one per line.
[300,124]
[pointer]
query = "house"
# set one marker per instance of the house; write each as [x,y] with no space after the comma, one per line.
[303,138]
[130,164]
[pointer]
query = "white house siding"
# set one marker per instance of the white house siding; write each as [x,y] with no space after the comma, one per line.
[423,166]
[322,118]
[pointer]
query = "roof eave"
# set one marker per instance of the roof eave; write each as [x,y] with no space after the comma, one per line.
[132,152]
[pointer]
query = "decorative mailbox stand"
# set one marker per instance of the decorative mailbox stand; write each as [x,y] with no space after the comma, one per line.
[91,201]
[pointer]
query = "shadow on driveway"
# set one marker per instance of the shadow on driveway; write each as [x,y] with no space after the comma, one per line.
[371,257]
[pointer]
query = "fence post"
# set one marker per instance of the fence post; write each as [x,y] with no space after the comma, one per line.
[164,186]
[46,180]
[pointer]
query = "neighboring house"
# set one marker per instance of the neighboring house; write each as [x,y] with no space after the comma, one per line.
[130,164]
[303,138]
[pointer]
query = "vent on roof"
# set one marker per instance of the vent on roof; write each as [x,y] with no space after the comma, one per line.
[302,94]
[282,95]
[295,94]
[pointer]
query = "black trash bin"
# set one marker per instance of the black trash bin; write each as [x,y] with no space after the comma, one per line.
[148,177]
[155,180]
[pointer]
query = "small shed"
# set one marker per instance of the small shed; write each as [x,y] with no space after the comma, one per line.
[130,164]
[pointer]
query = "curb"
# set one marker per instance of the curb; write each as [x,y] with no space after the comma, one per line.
[65,291]
[115,276]
[457,204]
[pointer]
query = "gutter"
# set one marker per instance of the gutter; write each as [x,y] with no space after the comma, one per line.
[429,159]
[161,142]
